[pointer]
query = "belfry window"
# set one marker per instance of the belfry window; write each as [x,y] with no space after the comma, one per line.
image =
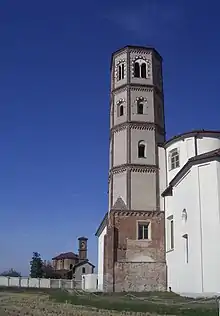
[174,159]
[143,70]
[141,150]
[137,70]
[121,71]
[140,69]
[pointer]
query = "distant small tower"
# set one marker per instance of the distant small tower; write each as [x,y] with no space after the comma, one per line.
[82,248]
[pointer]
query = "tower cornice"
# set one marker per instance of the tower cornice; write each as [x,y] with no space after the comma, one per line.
[136,49]
[147,213]
[133,168]
[137,87]
[137,125]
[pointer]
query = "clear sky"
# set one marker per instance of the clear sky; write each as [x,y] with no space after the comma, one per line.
[54,107]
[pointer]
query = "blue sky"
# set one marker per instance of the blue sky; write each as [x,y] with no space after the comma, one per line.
[54,107]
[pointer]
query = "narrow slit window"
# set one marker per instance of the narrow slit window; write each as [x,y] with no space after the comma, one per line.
[119,72]
[186,241]
[121,110]
[171,235]
[122,71]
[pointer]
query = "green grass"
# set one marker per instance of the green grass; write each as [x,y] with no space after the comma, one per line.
[163,303]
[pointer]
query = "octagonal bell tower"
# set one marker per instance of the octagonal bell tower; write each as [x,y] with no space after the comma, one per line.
[137,128]
[134,256]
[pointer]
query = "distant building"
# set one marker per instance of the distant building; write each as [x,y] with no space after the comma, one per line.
[70,265]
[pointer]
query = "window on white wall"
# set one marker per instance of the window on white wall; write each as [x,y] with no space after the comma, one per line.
[174,159]
[170,233]
[186,246]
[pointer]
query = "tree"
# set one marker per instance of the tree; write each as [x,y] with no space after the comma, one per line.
[48,271]
[11,273]
[36,266]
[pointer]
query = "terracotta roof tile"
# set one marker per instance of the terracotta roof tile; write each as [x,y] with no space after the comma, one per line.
[66,255]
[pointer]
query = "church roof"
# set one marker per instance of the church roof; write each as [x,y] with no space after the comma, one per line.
[102,225]
[213,154]
[191,134]
[81,263]
[66,255]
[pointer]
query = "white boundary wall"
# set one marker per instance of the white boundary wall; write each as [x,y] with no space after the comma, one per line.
[39,283]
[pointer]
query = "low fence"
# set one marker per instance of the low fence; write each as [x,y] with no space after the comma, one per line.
[40,283]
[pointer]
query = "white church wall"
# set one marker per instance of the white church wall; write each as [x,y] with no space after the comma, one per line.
[186,148]
[206,144]
[101,259]
[197,193]
[181,273]
[90,282]
[210,231]
[162,174]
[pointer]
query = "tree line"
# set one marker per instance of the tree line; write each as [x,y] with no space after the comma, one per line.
[38,269]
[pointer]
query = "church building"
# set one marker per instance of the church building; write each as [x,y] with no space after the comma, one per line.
[163,218]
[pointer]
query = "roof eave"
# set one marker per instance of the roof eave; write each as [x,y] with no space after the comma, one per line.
[127,47]
[102,225]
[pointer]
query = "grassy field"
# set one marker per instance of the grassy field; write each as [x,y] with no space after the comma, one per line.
[15,301]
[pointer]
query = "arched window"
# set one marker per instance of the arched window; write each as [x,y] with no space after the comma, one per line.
[136,70]
[140,107]
[143,70]
[71,266]
[83,270]
[121,110]
[141,150]
[121,71]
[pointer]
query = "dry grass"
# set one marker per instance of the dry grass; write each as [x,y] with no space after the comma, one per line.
[16,304]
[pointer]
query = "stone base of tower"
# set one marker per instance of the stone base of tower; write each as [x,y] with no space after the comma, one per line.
[133,265]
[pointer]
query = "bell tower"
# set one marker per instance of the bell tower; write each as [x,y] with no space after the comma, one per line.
[82,248]
[134,242]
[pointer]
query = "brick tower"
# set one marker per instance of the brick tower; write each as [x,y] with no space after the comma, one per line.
[134,254]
